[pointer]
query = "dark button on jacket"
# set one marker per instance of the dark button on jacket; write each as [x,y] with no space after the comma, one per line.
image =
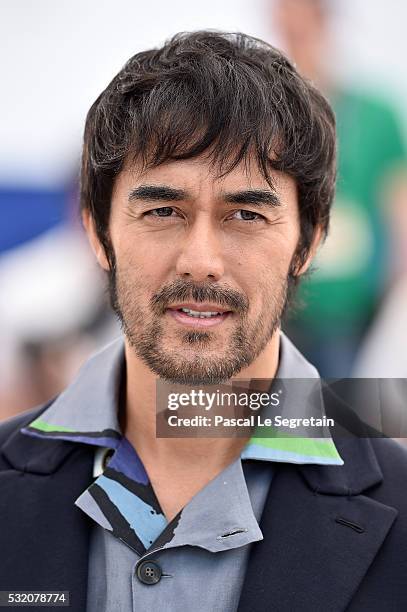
[149,572]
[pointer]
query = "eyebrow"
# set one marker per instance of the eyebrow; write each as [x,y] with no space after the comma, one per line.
[157,192]
[164,193]
[254,197]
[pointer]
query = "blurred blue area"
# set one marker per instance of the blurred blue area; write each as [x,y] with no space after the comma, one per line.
[27,213]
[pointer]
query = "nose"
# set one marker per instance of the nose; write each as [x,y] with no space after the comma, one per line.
[200,252]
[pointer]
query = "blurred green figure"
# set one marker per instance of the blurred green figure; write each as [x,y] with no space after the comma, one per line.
[341,297]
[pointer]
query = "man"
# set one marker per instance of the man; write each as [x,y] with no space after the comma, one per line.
[208,174]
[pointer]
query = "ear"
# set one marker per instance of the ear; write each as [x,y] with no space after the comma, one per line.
[97,247]
[316,241]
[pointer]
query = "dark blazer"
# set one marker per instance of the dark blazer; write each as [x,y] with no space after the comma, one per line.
[335,537]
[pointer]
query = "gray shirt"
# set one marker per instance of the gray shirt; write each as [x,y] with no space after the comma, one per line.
[202,577]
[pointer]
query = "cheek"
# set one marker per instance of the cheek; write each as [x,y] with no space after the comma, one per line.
[132,257]
[262,274]
[141,271]
[142,252]
[267,259]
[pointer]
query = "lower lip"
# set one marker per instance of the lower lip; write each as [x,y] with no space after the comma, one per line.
[184,319]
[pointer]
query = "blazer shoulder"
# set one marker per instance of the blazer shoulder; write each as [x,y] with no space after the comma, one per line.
[391,455]
[11,425]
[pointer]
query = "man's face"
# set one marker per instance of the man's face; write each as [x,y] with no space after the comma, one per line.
[201,265]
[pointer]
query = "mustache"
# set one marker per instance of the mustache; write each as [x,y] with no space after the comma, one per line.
[180,291]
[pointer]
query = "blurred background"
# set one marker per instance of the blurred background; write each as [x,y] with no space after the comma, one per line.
[351,314]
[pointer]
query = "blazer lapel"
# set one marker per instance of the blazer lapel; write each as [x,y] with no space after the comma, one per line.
[39,491]
[321,534]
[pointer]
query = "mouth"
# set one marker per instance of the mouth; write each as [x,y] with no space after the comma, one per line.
[199,315]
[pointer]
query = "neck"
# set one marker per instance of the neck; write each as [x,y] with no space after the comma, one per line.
[139,421]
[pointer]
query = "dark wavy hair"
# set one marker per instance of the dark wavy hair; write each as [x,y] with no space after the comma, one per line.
[227,95]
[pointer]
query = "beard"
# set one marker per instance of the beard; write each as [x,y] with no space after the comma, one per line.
[202,362]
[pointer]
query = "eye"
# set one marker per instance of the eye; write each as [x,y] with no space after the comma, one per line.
[165,211]
[247,215]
